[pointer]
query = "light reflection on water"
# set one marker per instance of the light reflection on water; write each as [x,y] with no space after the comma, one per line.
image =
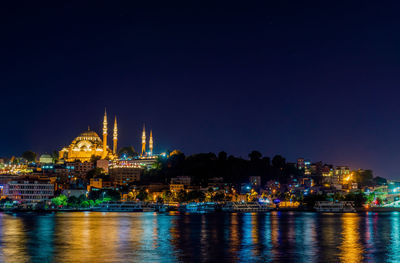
[174,237]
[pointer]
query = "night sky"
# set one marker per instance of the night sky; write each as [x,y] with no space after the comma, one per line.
[318,80]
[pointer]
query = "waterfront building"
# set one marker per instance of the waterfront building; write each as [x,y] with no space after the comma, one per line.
[88,145]
[29,190]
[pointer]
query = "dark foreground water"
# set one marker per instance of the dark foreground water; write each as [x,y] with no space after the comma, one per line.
[151,237]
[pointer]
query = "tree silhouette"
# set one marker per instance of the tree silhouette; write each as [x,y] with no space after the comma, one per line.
[255,156]
[129,151]
[29,156]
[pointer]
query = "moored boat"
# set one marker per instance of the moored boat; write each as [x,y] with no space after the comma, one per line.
[206,207]
[119,207]
[335,207]
[246,207]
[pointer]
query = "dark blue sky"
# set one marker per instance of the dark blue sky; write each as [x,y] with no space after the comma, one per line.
[318,80]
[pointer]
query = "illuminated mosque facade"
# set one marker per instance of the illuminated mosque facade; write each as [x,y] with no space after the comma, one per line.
[89,145]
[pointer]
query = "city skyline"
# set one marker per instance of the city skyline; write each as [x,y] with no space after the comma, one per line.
[305,80]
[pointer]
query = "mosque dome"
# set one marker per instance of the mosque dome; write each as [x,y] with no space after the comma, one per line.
[90,136]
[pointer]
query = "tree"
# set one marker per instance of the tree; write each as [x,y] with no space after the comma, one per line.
[82,198]
[5,200]
[113,195]
[196,196]
[94,158]
[94,173]
[359,198]
[364,177]
[380,180]
[60,200]
[143,195]
[127,152]
[55,156]
[255,156]
[85,204]
[182,196]
[278,162]
[222,156]
[29,156]
[218,197]
[73,201]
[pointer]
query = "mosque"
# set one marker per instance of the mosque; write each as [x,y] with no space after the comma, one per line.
[88,145]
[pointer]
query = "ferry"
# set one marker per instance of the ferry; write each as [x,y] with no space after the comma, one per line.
[120,207]
[335,207]
[246,207]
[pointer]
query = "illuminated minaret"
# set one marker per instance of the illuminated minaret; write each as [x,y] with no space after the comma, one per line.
[143,141]
[105,135]
[115,136]
[151,143]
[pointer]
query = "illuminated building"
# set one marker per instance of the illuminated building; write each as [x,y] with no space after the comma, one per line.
[143,141]
[307,167]
[125,175]
[45,159]
[81,169]
[151,143]
[103,164]
[104,153]
[300,163]
[29,190]
[15,169]
[115,136]
[98,183]
[88,144]
[343,173]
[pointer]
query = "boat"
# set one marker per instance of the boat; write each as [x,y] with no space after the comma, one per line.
[335,207]
[162,208]
[199,207]
[114,206]
[245,207]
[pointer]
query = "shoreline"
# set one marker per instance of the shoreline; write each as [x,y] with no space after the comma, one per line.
[358,210]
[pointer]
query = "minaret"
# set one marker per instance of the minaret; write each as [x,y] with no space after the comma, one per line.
[115,136]
[143,141]
[105,135]
[151,143]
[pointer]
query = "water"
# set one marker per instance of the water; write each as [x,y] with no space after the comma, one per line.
[173,237]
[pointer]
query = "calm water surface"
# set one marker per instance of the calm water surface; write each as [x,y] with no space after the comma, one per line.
[174,237]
